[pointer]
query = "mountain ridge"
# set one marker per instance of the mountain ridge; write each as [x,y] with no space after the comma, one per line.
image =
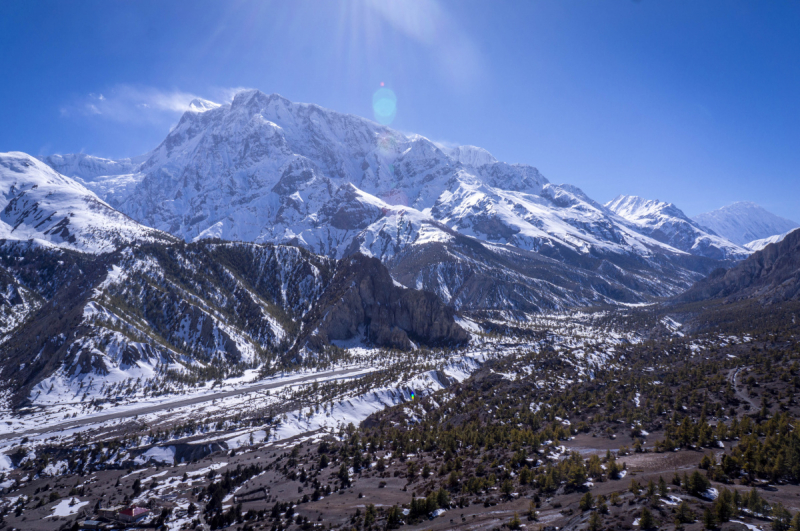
[771,275]
[41,204]
[668,224]
[744,221]
[264,169]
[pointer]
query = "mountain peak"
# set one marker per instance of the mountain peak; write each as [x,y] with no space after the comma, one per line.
[744,221]
[471,156]
[251,96]
[629,206]
[668,224]
[201,105]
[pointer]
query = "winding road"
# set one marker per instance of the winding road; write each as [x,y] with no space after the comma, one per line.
[741,395]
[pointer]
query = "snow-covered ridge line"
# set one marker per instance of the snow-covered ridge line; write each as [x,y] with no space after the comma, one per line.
[757,245]
[745,222]
[40,204]
[668,224]
[265,169]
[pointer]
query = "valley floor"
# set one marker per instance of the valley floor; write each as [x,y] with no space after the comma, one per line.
[514,431]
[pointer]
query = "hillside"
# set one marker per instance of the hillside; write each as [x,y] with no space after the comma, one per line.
[770,275]
[43,205]
[165,315]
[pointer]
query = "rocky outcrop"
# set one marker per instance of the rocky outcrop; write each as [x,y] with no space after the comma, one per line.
[771,275]
[364,302]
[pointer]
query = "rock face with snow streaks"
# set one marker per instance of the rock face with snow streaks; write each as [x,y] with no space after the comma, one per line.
[770,275]
[191,312]
[744,222]
[668,224]
[265,169]
[364,302]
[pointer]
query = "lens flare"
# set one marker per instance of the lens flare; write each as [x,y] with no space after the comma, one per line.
[384,105]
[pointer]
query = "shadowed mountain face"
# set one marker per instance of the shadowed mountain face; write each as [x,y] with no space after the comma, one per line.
[364,302]
[771,275]
[193,312]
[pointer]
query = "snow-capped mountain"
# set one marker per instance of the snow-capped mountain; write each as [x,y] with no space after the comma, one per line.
[265,169]
[668,224]
[88,167]
[107,178]
[40,204]
[757,245]
[744,222]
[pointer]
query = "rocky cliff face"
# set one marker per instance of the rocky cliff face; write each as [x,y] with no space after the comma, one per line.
[265,169]
[363,302]
[161,313]
[771,275]
[744,222]
[668,224]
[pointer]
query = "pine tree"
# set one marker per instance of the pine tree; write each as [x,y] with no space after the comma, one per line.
[595,522]
[646,520]
[754,502]
[534,516]
[781,518]
[586,502]
[344,476]
[684,514]
[662,487]
[795,522]
[709,520]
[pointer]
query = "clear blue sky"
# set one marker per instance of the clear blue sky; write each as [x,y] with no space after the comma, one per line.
[697,103]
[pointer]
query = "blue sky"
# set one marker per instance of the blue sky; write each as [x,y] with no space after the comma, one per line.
[697,103]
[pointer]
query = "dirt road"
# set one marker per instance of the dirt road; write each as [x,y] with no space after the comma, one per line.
[742,395]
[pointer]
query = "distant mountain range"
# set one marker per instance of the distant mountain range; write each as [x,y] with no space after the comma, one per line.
[667,223]
[744,222]
[265,230]
[480,233]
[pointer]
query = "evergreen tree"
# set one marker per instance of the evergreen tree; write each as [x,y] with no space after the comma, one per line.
[646,520]
[684,514]
[709,520]
[781,518]
[586,502]
[595,522]
[795,522]
[344,476]
[662,487]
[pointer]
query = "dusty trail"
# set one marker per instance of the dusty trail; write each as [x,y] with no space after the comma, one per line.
[733,378]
